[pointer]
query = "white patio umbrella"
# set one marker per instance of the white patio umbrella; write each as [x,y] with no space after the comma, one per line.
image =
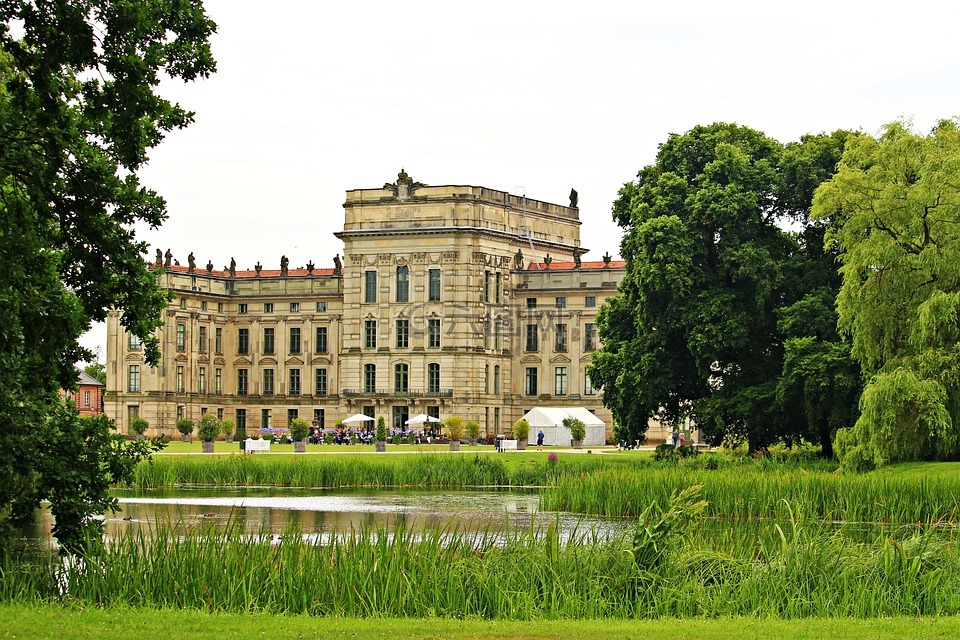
[357,417]
[421,418]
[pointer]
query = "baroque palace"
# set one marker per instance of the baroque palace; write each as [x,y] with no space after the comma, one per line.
[449,300]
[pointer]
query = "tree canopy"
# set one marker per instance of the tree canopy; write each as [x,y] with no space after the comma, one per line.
[699,327]
[79,112]
[899,303]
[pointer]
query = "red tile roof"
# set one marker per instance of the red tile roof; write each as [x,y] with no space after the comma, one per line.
[566,266]
[250,273]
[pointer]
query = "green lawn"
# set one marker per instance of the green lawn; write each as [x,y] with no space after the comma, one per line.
[52,621]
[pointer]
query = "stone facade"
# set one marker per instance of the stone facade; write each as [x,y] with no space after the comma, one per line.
[449,300]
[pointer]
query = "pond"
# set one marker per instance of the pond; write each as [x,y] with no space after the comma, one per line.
[324,511]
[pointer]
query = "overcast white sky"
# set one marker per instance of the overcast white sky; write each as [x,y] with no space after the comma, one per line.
[314,98]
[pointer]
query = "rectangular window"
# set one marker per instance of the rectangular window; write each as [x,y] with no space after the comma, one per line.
[268,382]
[590,337]
[243,341]
[180,412]
[181,336]
[202,380]
[370,286]
[241,423]
[403,284]
[403,334]
[486,378]
[218,381]
[496,379]
[433,378]
[434,285]
[369,379]
[401,378]
[433,328]
[486,286]
[179,378]
[321,380]
[433,411]
[496,420]
[486,333]
[269,340]
[561,302]
[321,306]
[319,417]
[496,335]
[496,297]
[218,340]
[368,411]
[220,414]
[183,303]
[243,382]
[531,303]
[531,381]
[294,382]
[294,340]
[561,334]
[590,301]
[264,418]
[202,339]
[133,378]
[294,307]
[321,340]
[532,339]
[268,307]
[370,334]
[560,381]
[219,307]
[134,343]
[203,305]
[588,389]
[292,414]
[86,398]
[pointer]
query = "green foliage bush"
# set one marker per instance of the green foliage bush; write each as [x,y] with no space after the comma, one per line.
[578,430]
[381,433]
[185,426]
[299,429]
[521,429]
[473,429]
[228,426]
[208,428]
[139,426]
[667,451]
[454,427]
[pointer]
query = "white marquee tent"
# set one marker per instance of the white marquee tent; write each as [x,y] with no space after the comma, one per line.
[550,419]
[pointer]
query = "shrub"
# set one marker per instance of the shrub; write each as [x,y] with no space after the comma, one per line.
[858,459]
[454,427]
[667,451]
[138,426]
[185,426]
[397,439]
[381,433]
[228,426]
[521,429]
[299,428]
[473,429]
[578,430]
[208,428]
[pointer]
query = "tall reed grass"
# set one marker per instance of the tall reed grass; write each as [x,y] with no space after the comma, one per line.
[500,575]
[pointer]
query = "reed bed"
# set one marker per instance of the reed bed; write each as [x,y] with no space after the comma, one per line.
[503,575]
[743,492]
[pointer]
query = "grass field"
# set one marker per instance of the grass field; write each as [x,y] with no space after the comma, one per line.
[69,623]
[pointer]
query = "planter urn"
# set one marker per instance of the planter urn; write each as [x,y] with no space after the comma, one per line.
[380,446]
[521,445]
[299,446]
[207,447]
[454,445]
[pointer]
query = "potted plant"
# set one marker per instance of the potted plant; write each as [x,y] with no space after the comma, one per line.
[138,426]
[208,428]
[185,427]
[473,430]
[380,437]
[521,431]
[228,426]
[454,427]
[299,428]
[578,430]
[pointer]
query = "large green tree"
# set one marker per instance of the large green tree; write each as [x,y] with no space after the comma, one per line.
[899,201]
[79,111]
[699,327]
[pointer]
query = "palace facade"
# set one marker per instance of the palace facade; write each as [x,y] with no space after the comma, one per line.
[448,300]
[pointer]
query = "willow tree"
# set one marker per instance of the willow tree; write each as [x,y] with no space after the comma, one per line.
[899,199]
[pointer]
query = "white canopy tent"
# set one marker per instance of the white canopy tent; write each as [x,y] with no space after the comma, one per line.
[550,419]
[357,417]
[421,418]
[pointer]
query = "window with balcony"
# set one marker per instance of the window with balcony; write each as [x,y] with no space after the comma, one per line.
[401,378]
[433,378]
[369,378]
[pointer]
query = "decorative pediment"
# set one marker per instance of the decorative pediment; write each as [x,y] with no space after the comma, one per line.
[136,357]
[203,359]
[370,316]
[293,360]
[402,261]
[530,360]
[242,362]
[320,360]
[181,357]
[586,359]
[219,360]
[267,361]
[559,359]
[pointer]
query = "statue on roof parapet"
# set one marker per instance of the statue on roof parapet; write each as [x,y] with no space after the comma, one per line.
[576,258]
[159,261]
[167,258]
[209,266]
[574,198]
[404,187]
[606,259]
[518,260]
[258,267]
[284,264]
[547,260]
[191,263]
[337,265]
[232,270]
[310,266]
